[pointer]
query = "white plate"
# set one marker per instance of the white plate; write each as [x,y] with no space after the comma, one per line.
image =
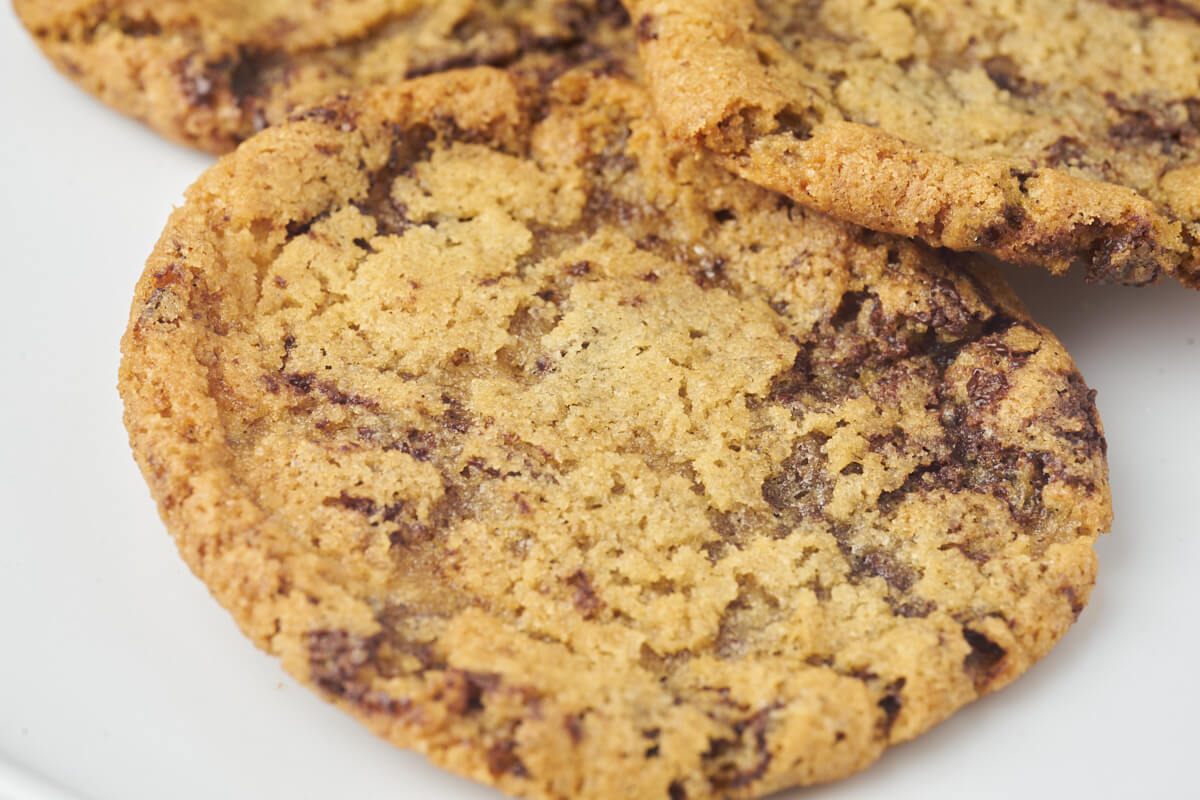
[120,679]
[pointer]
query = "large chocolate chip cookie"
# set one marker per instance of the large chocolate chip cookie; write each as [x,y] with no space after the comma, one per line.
[548,448]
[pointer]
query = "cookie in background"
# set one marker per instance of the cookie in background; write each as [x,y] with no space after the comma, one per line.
[210,73]
[1045,133]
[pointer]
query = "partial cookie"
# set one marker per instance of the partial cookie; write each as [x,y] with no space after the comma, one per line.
[1047,132]
[553,451]
[209,73]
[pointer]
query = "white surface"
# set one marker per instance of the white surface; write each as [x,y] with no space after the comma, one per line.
[120,679]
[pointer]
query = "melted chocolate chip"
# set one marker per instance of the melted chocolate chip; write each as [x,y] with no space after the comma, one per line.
[574,725]
[138,28]
[1072,598]
[361,505]
[985,659]
[644,31]
[1008,226]
[962,547]
[466,690]
[794,123]
[502,759]
[750,734]
[336,659]
[1065,151]
[848,309]
[1078,402]
[305,383]
[408,146]
[1151,124]
[198,82]
[585,598]
[986,388]
[710,273]
[246,78]
[891,704]
[802,487]
[340,116]
[873,562]
[1006,74]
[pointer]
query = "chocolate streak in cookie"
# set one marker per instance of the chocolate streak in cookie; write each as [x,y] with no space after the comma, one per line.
[548,448]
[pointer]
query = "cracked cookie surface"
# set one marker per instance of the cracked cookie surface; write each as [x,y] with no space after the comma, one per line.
[210,73]
[1043,132]
[549,448]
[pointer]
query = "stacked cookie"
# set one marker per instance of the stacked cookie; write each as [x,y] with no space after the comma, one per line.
[522,428]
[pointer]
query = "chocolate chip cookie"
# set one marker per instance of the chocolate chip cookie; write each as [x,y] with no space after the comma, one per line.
[1048,132]
[209,73]
[549,448]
